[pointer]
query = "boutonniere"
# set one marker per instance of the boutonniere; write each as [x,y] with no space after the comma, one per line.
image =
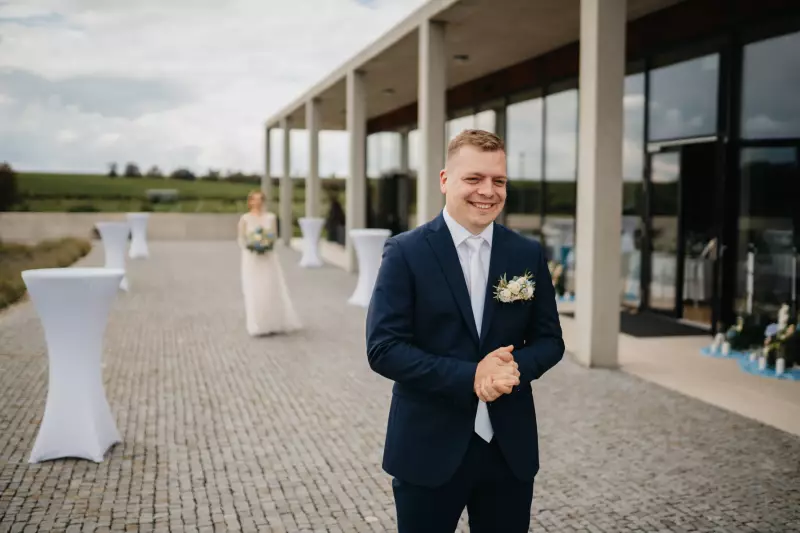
[520,288]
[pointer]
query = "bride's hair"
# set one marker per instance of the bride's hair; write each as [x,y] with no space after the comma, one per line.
[251,194]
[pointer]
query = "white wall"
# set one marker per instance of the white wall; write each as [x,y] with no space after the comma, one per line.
[30,227]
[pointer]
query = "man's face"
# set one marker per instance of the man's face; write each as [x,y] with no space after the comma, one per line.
[474,185]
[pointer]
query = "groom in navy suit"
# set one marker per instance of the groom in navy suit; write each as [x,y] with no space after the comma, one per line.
[463,318]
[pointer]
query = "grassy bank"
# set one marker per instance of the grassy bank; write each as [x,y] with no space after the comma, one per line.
[14,258]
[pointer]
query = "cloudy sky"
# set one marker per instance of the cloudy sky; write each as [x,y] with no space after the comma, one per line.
[169,82]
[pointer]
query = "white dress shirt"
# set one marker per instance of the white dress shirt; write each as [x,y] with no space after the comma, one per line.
[460,234]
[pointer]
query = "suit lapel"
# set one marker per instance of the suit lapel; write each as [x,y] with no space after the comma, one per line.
[497,267]
[442,243]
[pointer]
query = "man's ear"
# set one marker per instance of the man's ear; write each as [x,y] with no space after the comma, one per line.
[443,180]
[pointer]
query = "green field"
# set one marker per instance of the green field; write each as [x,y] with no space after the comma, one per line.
[36,185]
[41,192]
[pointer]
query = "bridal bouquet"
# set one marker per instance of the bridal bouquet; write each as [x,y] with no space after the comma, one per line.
[259,241]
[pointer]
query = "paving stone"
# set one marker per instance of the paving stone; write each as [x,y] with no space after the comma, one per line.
[285,433]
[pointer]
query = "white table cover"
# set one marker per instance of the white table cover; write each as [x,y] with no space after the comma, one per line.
[73,305]
[138,223]
[312,229]
[368,244]
[115,244]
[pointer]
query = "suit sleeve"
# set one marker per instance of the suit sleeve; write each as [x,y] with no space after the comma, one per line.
[390,348]
[544,341]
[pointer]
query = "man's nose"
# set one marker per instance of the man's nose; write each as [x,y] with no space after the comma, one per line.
[485,188]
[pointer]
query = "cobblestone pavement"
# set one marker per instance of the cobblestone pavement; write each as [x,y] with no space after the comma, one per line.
[225,432]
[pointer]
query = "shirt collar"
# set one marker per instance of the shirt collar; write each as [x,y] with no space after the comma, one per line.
[460,233]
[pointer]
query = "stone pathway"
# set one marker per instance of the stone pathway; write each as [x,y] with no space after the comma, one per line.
[223,432]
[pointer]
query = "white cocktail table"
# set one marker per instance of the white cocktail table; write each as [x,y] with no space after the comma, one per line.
[73,305]
[368,244]
[115,245]
[138,223]
[312,229]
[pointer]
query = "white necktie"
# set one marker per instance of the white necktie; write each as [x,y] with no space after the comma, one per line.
[477,294]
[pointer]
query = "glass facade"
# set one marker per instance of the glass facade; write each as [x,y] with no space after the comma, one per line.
[632,188]
[768,227]
[685,189]
[683,99]
[769,185]
[771,78]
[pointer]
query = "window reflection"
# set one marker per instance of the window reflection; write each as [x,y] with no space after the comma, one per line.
[486,120]
[524,162]
[413,151]
[632,188]
[383,153]
[524,139]
[665,176]
[771,76]
[561,170]
[768,225]
[683,99]
[457,125]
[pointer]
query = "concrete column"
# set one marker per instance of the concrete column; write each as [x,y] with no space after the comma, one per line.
[432,114]
[312,179]
[266,178]
[404,161]
[500,130]
[599,207]
[355,205]
[286,185]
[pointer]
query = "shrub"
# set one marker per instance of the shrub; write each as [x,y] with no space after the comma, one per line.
[132,171]
[14,258]
[83,208]
[9,193]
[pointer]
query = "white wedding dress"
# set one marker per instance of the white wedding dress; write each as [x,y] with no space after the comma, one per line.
[267,303]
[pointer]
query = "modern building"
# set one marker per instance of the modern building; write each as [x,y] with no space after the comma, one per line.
[661,137]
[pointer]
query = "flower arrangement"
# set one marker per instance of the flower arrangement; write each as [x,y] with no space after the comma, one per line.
[260,241]
[746,333]
[780,340]
[520,288]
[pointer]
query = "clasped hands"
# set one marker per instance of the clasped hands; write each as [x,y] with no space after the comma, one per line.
[497,374]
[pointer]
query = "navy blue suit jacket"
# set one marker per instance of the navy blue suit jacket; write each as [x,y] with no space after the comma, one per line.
[421,334]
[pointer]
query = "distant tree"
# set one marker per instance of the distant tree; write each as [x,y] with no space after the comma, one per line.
[154,172]
[9,194]
[183,174]
[132,171]
[239,177]
[213,175]
[112,170]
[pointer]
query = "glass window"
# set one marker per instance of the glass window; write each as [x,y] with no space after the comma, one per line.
[768,225]
[560,173]
[561,137]
[665,176]
[632,187]
[485,120]
[524,161]
[334,147]
[413,151]
[683,99]
[373,155]
[771,77]
[524,140]
[457,125]
[383,153]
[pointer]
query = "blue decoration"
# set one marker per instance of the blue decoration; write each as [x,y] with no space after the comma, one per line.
[732,354]
[751,367]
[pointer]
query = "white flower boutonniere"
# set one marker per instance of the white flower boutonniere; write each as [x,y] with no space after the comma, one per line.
[520,288]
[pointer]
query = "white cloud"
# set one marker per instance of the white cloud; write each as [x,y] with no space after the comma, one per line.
[203,76]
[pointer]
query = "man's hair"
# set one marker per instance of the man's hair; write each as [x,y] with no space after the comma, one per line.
[482,140]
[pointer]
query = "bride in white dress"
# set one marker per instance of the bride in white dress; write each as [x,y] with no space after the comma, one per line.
[267,303]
